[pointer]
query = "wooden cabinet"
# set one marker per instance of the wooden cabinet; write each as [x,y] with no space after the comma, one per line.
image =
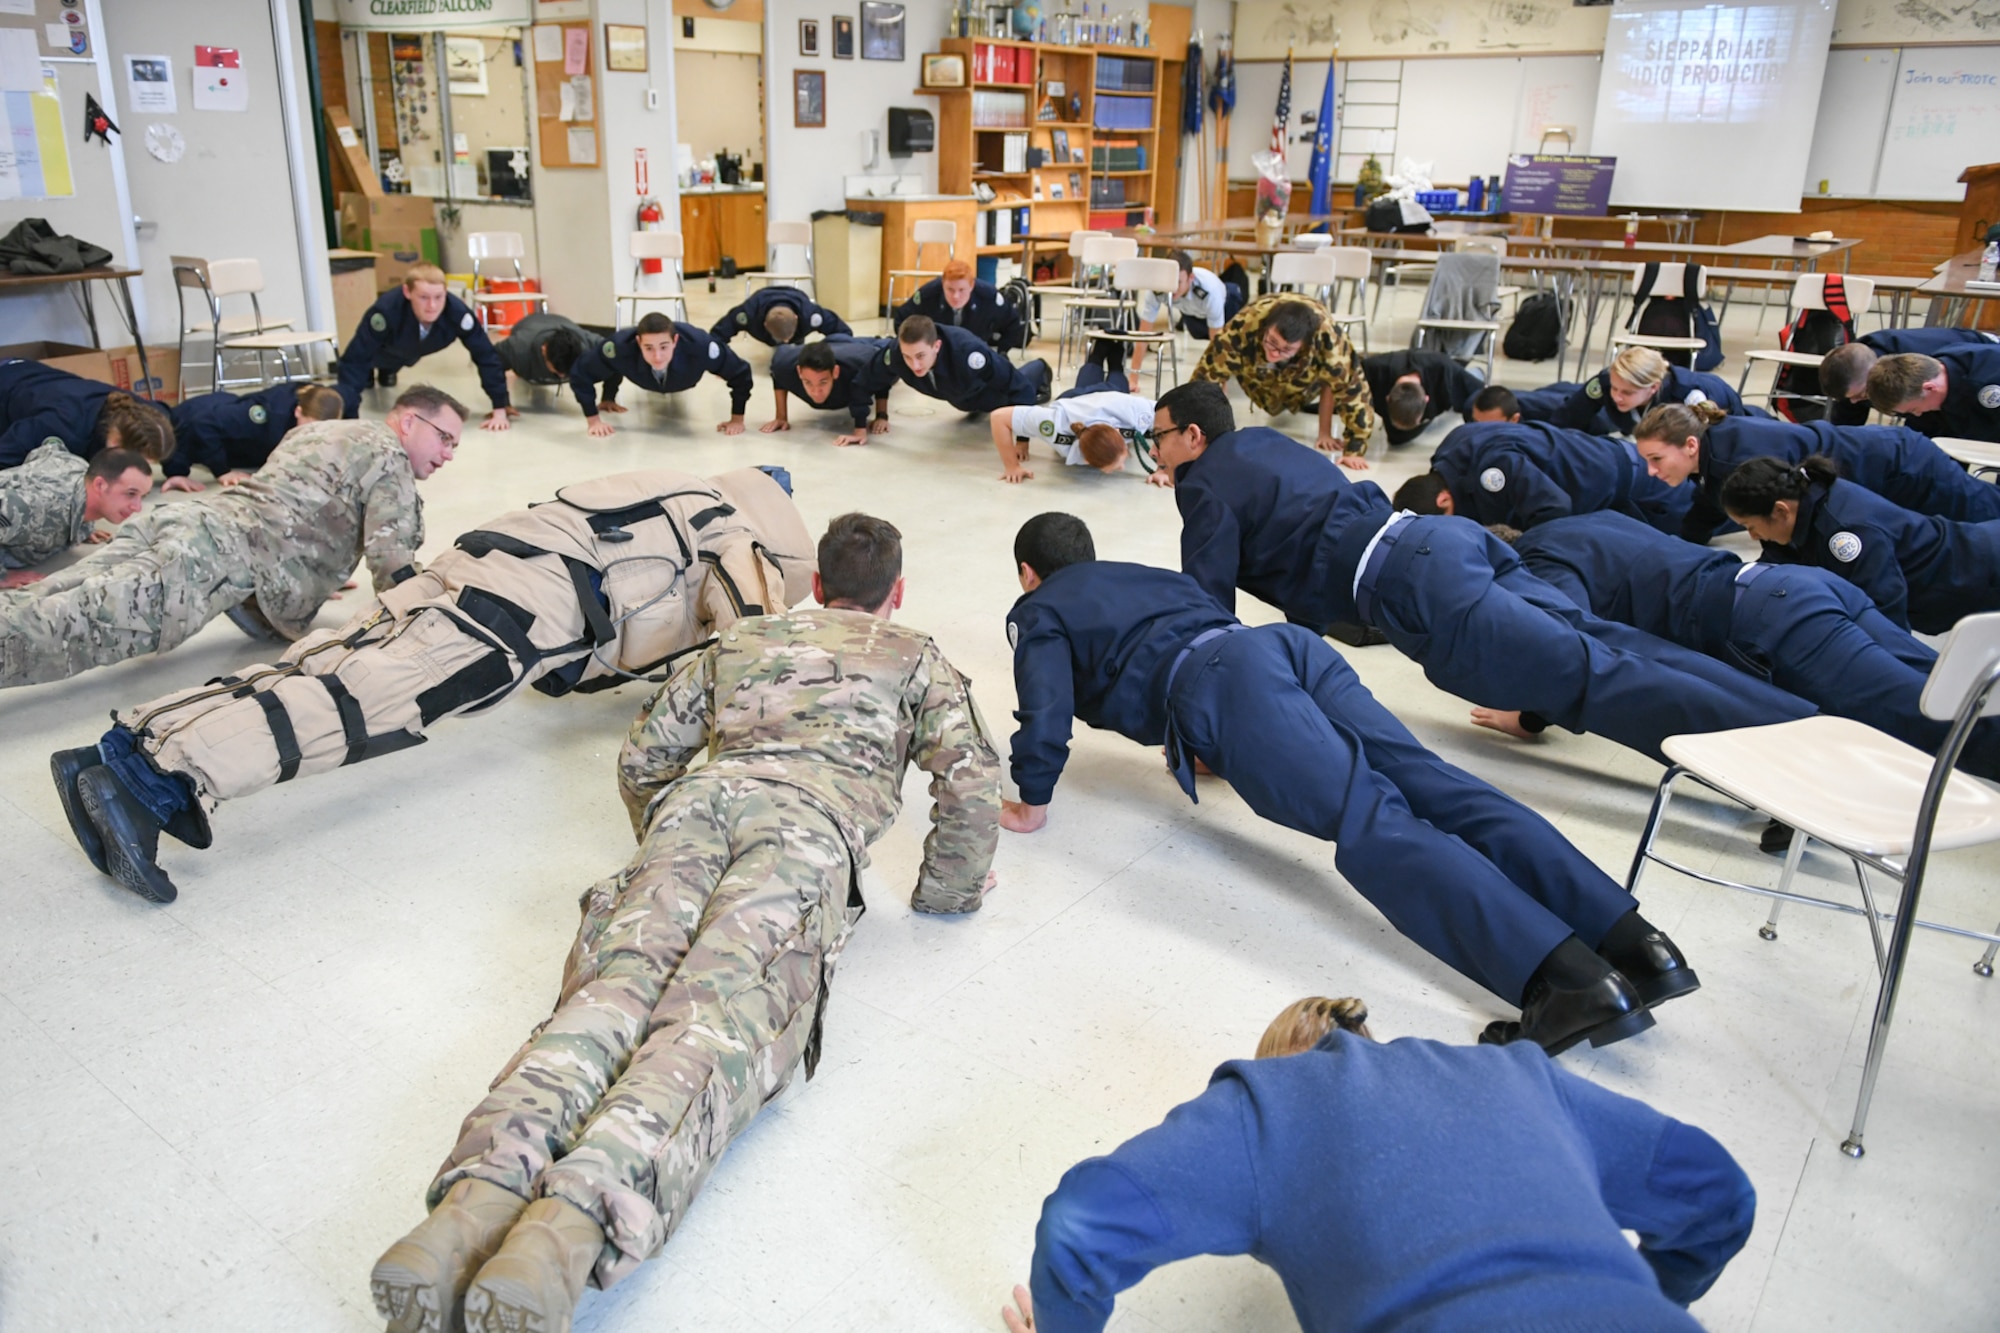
[713,225]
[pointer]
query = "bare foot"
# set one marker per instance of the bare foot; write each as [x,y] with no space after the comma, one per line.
[1508,723]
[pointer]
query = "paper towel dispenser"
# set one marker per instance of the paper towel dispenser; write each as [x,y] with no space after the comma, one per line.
[911,130]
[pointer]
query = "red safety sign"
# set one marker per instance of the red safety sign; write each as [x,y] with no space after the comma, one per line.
[642,176]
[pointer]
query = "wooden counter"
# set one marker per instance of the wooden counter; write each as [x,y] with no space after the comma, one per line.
[898,213]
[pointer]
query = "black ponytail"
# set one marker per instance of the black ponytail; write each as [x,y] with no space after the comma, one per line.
[1756,486]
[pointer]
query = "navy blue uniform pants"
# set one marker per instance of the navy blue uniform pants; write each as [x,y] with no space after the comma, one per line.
[1483,883]
[1825,641]
[1505,639]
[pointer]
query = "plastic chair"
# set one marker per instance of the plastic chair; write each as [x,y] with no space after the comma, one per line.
[1097,307]
[1891,807]
[1473,266]
[1080,284]
[1133,279]
[490,247]
[924,233]
[1979,456]
[1353,265]
[1320,273]
[1808,293]
[220,278]
[1670,282]
[667,247]
[777,237]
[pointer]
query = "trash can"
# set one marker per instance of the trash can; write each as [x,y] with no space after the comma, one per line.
[847,262]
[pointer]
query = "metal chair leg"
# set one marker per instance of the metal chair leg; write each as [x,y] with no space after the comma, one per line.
[1769,930]
[1874,916]
[1661,798]
[1984,967]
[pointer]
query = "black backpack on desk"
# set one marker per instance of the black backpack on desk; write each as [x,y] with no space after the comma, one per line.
[1796,394]
[1676,317]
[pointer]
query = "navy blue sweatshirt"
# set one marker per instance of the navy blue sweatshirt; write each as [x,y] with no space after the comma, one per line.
[749,317]
[967,374]
[1924,573]
[1096,642]
[1410,1185]
[390,338]
[1528,472]
[39,403]
[612,361]
[1590,407]
[1447,386]
[852,357]
[227,432]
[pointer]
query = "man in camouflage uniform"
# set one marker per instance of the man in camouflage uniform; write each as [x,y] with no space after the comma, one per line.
[54,499]
[698,981]
[332,493]
[605,583]
[1289,357]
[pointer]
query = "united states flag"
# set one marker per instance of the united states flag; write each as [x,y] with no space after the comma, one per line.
[1282,120]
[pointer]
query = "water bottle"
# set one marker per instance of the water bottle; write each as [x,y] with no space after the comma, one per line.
[1475,195]
[1989,261]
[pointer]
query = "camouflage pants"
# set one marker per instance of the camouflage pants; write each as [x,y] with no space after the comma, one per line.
[687,1002]
[148,590]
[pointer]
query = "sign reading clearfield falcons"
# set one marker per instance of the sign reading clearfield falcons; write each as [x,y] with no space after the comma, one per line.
[427,15]
[1559,183]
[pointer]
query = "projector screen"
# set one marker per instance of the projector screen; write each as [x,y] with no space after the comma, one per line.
[1711,105]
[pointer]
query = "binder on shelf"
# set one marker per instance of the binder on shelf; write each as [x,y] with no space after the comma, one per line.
[1123,113]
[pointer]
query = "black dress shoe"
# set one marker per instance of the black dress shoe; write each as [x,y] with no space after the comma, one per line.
[1355,636]
[66,766]
[386,378]
[1657,969]
[1573,996]
[130,833]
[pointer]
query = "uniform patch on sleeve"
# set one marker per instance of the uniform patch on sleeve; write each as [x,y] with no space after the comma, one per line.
[610,350]
[977,361]
[1493,479]
[1845,547]
[259,413]
[378,322]
[1594,389]
[1013,635]
[1049,428]
[742,319]
[715,351]
[56,440]
[1989,396]
[814,321]
[1695,396]
[465,325]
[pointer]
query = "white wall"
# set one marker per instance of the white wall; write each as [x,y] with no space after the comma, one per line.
[624,124]
[719,102]
[805,168]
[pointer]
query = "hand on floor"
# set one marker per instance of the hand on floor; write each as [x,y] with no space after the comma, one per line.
[1503,721]
[182,484]
[1019,1317]
[1020,817]
[599,427]
[770,426]
[498,421]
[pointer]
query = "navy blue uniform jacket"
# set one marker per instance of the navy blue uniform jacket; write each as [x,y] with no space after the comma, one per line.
[612,361]
[226,431]
[1971,408]
[1264,513]
[968,374]
[1409,1185]
[1446,384]
[1924,573]
[852,357]
[39,403]
[1096,642]
[389,338]
[1922,341]
[1527,472]
[749,317]
[1590,407]
[1895,462]
[1623,570]
[987,315]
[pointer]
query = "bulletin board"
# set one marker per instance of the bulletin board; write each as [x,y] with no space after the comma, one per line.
[566,94]
[59,30]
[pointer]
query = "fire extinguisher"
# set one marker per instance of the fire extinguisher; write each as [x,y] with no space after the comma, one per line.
[652,218]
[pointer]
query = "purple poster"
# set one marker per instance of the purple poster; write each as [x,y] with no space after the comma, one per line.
[1558,183]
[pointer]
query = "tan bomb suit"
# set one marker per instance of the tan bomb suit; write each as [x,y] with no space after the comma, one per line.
[614,576]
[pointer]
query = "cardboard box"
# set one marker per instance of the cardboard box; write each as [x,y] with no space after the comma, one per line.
[354,289]
[403,226]
[163,362]
[110,365]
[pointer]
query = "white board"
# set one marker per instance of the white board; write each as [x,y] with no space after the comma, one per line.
[1556,90]
[1944,117]
[1853,108]
[1458,115]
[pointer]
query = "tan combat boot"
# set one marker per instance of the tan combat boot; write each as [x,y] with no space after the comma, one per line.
[533,1284]
[419,1282]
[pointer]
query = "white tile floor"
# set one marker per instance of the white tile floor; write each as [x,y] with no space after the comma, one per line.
[217,1114]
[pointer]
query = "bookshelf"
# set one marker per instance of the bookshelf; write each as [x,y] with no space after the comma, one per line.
[1102,104]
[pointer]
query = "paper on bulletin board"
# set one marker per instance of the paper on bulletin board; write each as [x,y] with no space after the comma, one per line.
[219,82]
[548,42]
[585,97]
[149,85]
[566,103]
[25,8]
[35,162]
[20,61]
[583,147]
[576,50]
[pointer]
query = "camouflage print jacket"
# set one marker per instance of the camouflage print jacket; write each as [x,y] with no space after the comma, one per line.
[334,493]
[1327,361]
[835,704]
[41,507]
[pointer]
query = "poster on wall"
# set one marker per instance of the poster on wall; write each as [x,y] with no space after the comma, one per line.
[219,84]
[149,85]
[465,66]
[31,124]
[882,30]
[431,15]
[1566,184]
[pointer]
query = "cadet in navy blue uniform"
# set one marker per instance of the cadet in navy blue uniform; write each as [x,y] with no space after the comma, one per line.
[1955,393]
[541,348]
[1497,402]
[232,434]
[1407,1186]
[824,374]
[1410,387]
[1701,445]
[776,316]
[1482,883]
[1924,573]
[1843,372]
[1263,513]
[940,361]
[409,323]
[1524,473]
[40,403]
[658,355]
[1807,631]
[1612,401]
[956,300]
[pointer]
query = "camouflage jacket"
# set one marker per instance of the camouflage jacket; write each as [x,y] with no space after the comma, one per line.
[835,704]
[1327,361]
[334,493]
[41,507]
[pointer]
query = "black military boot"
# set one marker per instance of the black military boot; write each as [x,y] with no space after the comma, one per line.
[249,617]
[66,766]
[1657,970]
[130,833]
[386,378]
[1573,996]
[1355,636]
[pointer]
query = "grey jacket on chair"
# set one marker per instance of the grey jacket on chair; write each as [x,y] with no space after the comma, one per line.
[1464,287]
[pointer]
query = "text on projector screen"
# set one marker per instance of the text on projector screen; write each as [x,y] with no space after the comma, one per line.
[1709,64]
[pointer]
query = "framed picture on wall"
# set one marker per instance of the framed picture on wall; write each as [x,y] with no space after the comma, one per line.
[944,71]
[465,66]
[809,37]
[809,99]
[843,37]
[882,30]
[625,47]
